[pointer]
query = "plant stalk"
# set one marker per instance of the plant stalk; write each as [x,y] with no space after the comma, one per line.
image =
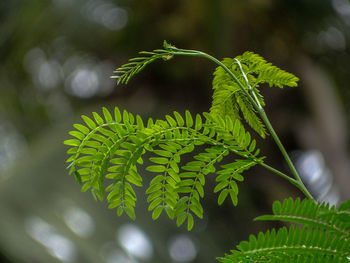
[297,181]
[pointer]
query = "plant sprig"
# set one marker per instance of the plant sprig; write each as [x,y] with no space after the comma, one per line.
[136,65]
[107,150]
[250,101]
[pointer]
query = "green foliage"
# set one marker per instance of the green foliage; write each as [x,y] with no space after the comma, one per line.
[106,151]
[324,236]
[227,178]
[136,65]
[252,71]
[311,214]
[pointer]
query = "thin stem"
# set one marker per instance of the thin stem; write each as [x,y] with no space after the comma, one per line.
[288,178]
[255,102]
[296,183]
[195,53]
[285,154]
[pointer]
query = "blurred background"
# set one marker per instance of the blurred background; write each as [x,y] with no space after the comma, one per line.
[57,57]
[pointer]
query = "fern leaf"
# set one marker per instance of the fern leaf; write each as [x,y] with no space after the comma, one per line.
[136,65]
[228,98]
[250,115]
[324,237]
[105,155]
[265,72]
[192,182]
[286,245]
[227,178]
[310,214]
[163,188]
[252,70]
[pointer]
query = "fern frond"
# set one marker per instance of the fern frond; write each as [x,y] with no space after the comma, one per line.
[287,245]
[227,178]
[250,115]
[192,182]
[325,236]
[136,65]
[107,150]
[310,214]
[265,72]
[251,70]
[163,192]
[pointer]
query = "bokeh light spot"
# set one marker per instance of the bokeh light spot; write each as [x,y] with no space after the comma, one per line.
[135,241]
[57,245]
[182,249]
[79,221]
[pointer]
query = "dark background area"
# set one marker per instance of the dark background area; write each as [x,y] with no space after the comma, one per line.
[57,57]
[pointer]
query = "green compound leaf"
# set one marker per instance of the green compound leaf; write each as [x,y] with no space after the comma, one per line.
[324,237]
[310,214]
[106,154]
[136,65]
[251,71]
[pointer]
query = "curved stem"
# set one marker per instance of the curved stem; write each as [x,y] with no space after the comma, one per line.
[288,178]
[294,182]
[253,99]
[300,183]
[195,53]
